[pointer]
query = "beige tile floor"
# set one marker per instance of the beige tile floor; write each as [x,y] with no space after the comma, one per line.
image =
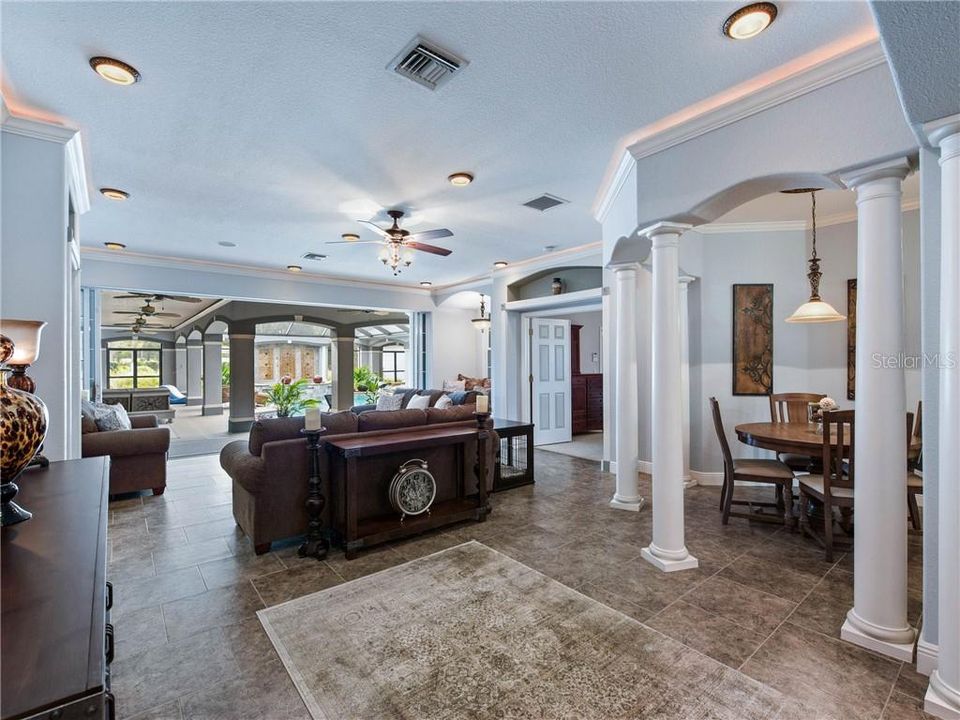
[188,585]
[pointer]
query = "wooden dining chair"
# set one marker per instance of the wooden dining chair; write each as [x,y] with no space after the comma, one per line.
[753,470]
[914,481]
[792,408]
[833,488]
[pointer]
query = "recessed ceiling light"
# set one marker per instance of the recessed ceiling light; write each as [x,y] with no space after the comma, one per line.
[425,283]
[500,264]
[294,268]
[549,248]
[750,20]
[114,246]
[115,71]
[460,179]
[226,243]
[114,193]
[350,237]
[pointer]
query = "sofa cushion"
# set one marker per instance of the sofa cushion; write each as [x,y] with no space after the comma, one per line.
[434,395]
[472,383]
[288,428]
[391,420]
[88,417]
[407,393]
[419,402]
[456,413]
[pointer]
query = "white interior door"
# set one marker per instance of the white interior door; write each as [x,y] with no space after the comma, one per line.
[550,370]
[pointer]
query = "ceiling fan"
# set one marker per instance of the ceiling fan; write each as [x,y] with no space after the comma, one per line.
[157,298]
[148,310]
[399,244]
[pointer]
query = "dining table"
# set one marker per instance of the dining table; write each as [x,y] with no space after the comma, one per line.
[795,438]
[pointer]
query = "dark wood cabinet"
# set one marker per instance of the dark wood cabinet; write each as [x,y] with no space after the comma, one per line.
[57,642]
[586,390]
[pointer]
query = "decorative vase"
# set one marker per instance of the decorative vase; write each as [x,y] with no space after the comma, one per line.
[557,286]
[23,426]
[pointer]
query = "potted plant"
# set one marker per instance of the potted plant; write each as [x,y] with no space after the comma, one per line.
[288,398]
[366,381]
[225,382]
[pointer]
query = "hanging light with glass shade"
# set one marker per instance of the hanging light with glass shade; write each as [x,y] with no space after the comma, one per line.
[482,323]
[814,310]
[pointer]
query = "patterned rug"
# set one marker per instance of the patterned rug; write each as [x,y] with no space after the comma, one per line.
[469,632]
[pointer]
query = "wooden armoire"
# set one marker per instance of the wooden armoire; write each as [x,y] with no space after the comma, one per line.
[586,390]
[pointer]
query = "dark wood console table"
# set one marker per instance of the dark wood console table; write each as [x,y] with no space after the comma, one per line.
[515,465]
[57,643]
[361,469]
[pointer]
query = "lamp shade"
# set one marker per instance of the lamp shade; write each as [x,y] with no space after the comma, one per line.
[815,311]
[26,338]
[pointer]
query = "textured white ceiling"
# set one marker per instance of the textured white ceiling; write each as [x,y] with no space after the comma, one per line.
[276,125]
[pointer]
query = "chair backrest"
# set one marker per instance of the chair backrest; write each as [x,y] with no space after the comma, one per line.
[721,436]
[918,424]
[838,455]
[791,407]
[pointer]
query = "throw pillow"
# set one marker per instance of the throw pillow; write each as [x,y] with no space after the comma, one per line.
[419,402]
[389,402]
[112,417]
[471,383]
[457,398]
[444,402]
[453,385]
[88,417]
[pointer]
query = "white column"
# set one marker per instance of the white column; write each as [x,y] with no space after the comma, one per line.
[943,694]
[212,375]
[667,550]
[685,281]
[627,496]
[194,388]
[878,618]
[180,379]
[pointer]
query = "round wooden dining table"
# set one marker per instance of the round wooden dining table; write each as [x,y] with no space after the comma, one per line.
[796,438]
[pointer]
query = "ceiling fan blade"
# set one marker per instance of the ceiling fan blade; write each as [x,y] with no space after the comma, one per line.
[354,242]
[165,314]
[433,249]
[126,312]
[177,298]
[376,228]
[131,296]
[430,234]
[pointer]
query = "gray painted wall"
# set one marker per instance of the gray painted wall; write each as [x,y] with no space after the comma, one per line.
[806,357]
[590,340]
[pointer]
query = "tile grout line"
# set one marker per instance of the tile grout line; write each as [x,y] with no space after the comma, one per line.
[890,694]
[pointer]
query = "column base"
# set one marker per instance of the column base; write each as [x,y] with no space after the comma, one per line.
[238,426]
[941,700]
[212,410]
[926,657]
[669,561]
[194,400]
[895,643]
[631,504]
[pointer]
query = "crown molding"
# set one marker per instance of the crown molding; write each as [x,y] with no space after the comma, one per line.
[744,101]
[624,168]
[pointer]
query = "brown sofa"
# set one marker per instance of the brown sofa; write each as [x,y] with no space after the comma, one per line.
[271,468]
[138,457]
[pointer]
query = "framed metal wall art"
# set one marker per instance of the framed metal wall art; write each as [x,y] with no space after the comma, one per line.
[753,339]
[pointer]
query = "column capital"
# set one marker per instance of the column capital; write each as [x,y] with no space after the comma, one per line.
[664,227]
[897,168]
[622,267]
[937,131]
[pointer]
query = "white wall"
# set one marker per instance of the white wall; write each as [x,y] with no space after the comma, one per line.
[591,337]
[456,346]
[807,358]
[35,283]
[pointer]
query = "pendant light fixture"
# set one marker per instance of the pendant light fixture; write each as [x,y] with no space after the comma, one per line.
[814,310]
[483,322]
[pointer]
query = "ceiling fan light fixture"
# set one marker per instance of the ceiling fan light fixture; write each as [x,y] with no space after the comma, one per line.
[750,20]
[114,246]
[114,194]
[350,237]
[460,179]
[294,268]
[114,71]
[500,264]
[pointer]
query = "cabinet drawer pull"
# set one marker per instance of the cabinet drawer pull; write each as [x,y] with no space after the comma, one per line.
[109,595]
[109,643]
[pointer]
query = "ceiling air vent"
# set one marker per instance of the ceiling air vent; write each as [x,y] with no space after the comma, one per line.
[426,64]
[314,256]
[545,202]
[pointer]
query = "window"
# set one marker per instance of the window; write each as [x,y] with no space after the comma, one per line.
[394,363]
[133,364]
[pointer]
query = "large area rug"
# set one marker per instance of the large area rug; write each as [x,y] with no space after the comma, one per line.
[469,632]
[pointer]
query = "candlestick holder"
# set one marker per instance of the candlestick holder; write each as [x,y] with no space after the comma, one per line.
[316,544]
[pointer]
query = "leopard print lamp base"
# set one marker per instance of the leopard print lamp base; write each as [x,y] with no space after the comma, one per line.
[23,426]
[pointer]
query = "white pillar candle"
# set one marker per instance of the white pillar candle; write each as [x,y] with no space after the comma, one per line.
[311,419]
[483,404]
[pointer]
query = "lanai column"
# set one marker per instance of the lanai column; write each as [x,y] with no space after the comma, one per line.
[195,371]
[667,550]
[943,694]
[212,376]
[180,379]
[242,382]
[878,618]
[627,495]
[342,380]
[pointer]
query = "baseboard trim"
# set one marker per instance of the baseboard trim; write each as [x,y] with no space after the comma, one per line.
[927,655]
